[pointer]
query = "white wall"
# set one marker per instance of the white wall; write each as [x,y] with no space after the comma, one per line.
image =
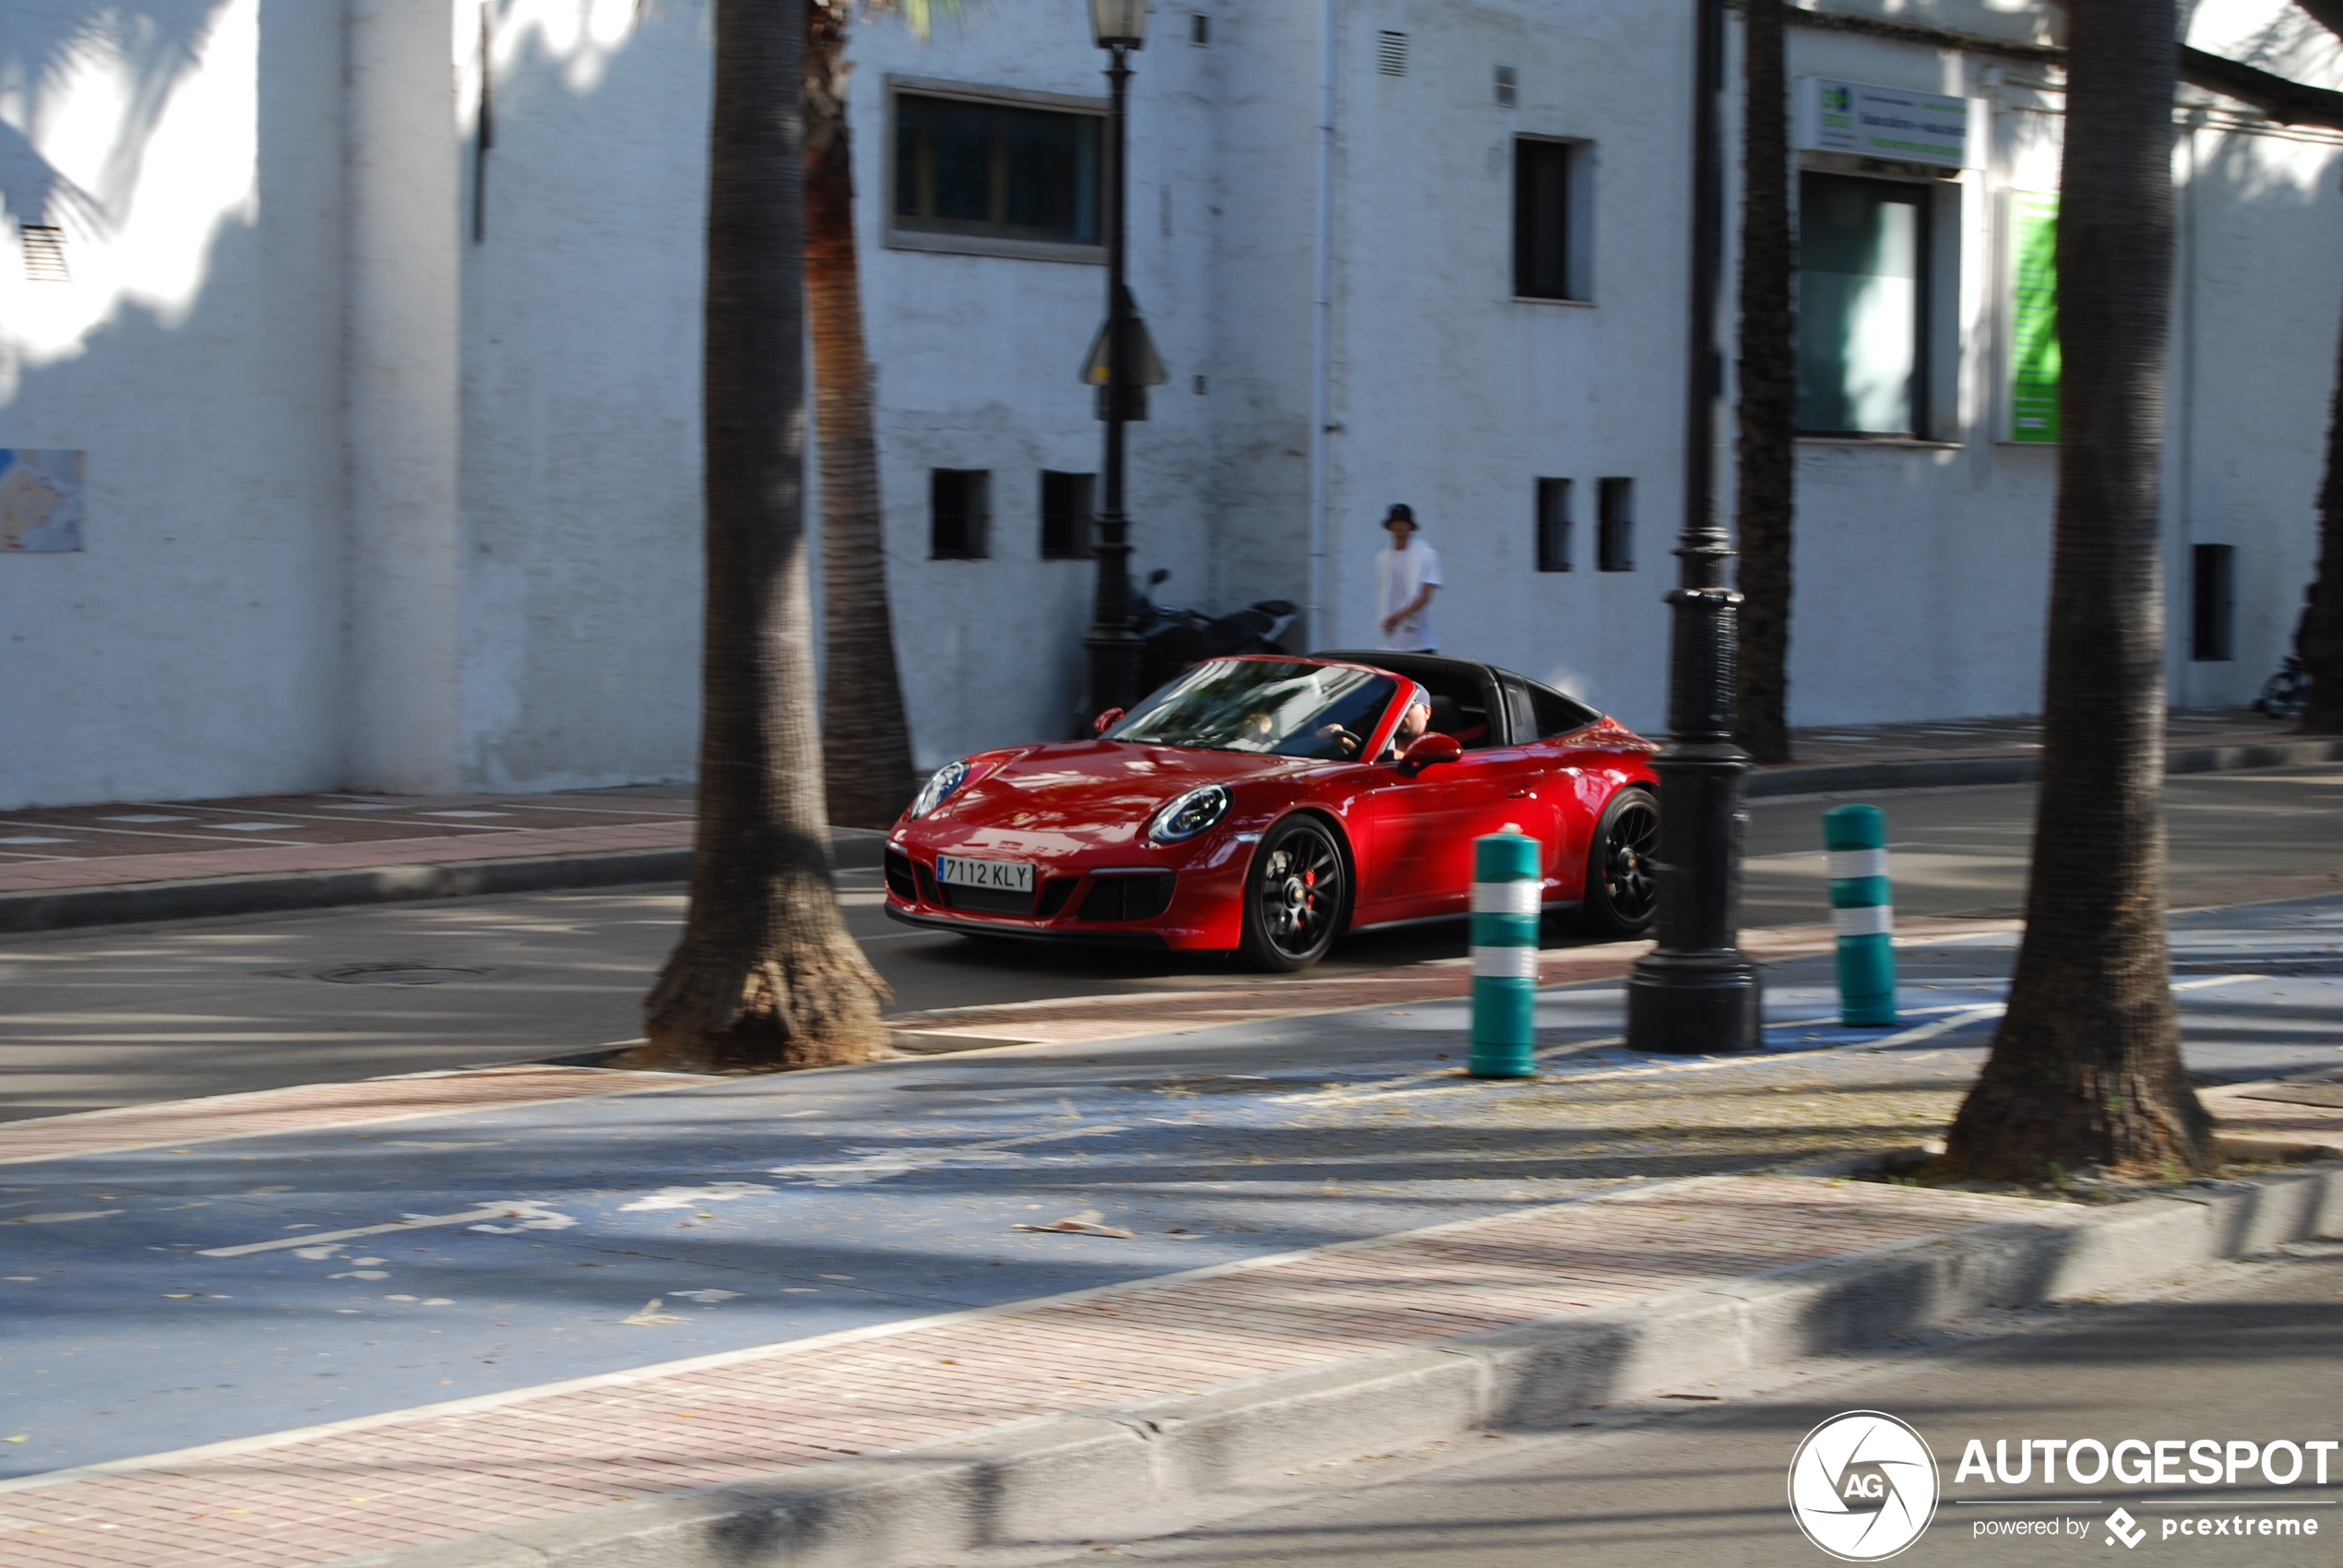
[192,151]
[581,347]
[206,356]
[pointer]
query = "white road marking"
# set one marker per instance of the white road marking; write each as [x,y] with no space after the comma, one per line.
[877,1164]
[413,1222]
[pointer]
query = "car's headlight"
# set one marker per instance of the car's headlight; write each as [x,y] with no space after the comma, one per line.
[938,789]
[1190,814]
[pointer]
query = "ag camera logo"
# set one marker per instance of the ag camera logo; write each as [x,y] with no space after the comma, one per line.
[1862,1486]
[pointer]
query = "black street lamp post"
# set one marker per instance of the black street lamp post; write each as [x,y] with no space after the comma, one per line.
[1696,991]
[1119,26]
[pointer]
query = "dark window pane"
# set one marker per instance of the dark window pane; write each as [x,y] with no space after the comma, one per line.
[958,508]
[997,170]
[1542,220]
[1861,303]
[1615,525]
[2214,601]
[1065,516]
[1554,525]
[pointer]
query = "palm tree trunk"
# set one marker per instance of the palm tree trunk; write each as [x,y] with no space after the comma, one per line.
[1767,373]
[765,976]
[2321,641]
[2085,1069]
[868,739]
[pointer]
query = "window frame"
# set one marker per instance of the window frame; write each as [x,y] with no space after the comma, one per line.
[1923,192]
[902,239]
[1615,523]
[976,516]
[1082,546]
[1577,218]
[1556,525]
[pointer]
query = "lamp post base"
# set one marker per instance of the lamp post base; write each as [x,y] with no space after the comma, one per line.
[1695,1004]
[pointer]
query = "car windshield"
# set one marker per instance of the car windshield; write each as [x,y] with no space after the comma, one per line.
[1284,708]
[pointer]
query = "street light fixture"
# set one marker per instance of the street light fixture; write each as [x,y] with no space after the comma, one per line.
[1120,363]
[1119,24]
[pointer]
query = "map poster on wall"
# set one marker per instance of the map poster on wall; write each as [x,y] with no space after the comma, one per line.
[40,500]
[2033,317]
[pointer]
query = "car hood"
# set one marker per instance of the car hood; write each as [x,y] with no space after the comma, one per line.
[1073,796]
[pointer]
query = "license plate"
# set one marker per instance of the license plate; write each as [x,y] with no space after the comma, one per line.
[1010,876]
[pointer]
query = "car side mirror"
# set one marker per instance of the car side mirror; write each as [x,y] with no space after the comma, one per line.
[1106,721]
[1429,749]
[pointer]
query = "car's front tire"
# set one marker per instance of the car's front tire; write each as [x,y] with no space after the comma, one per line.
[1622,897]
[1297,896]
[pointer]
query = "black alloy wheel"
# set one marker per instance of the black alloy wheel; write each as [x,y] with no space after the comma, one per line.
[1622,894]
[1296,896]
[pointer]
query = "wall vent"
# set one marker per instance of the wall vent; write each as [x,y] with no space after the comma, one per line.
[1391,53]
[45,254]
[1508,88]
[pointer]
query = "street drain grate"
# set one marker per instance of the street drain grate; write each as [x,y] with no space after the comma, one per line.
[396,974]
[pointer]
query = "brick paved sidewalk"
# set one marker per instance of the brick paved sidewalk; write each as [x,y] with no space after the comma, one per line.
[305,1107]
[436,1473]
[54,849]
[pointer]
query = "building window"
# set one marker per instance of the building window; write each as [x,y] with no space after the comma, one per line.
[1862,304]
[995,175]
[2213,603]
[959,513]
[1549,219]
[1554,525]
[1200,30]
[1065,516]
[1614,525]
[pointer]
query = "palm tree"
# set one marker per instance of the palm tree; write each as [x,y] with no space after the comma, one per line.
[1767,373]
[765,975]
[866,737]
[2085,1069]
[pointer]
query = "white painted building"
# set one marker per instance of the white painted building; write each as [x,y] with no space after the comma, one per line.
[389,444]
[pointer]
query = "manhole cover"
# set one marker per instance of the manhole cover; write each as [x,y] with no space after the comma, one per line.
[396,974]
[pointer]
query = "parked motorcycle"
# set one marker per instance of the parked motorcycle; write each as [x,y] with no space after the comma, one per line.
[1176,638]
[2283,696]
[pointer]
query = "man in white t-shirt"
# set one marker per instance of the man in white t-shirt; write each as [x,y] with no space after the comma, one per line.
[1404,579]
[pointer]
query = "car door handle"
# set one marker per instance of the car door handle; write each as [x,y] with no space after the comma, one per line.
[1521,794]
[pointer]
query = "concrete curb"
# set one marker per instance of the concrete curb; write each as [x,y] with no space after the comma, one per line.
[1936,773]
[1058,1477]
[263,892]
[133,903]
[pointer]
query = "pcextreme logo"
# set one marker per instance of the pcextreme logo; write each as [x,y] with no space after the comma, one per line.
[1862,1486]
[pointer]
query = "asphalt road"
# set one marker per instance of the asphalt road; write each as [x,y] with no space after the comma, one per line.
[162,1295]
[125,1016]
[2250,1353]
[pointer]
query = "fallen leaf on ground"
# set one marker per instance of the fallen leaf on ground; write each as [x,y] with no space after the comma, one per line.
[650,1315]
[1085,1223]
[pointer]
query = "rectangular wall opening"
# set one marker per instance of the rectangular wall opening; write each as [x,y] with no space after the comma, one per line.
[2213,603]
[1554,525]
[1065,514]
[1862,306]
[959,513]
[1615,525]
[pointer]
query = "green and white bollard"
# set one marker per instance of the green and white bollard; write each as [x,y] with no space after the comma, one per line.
[1862,913]
[1506,888]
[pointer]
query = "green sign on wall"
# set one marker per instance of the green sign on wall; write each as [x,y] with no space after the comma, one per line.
[2033,317]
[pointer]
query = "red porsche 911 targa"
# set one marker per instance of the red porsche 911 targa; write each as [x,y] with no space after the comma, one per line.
[1266,803]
